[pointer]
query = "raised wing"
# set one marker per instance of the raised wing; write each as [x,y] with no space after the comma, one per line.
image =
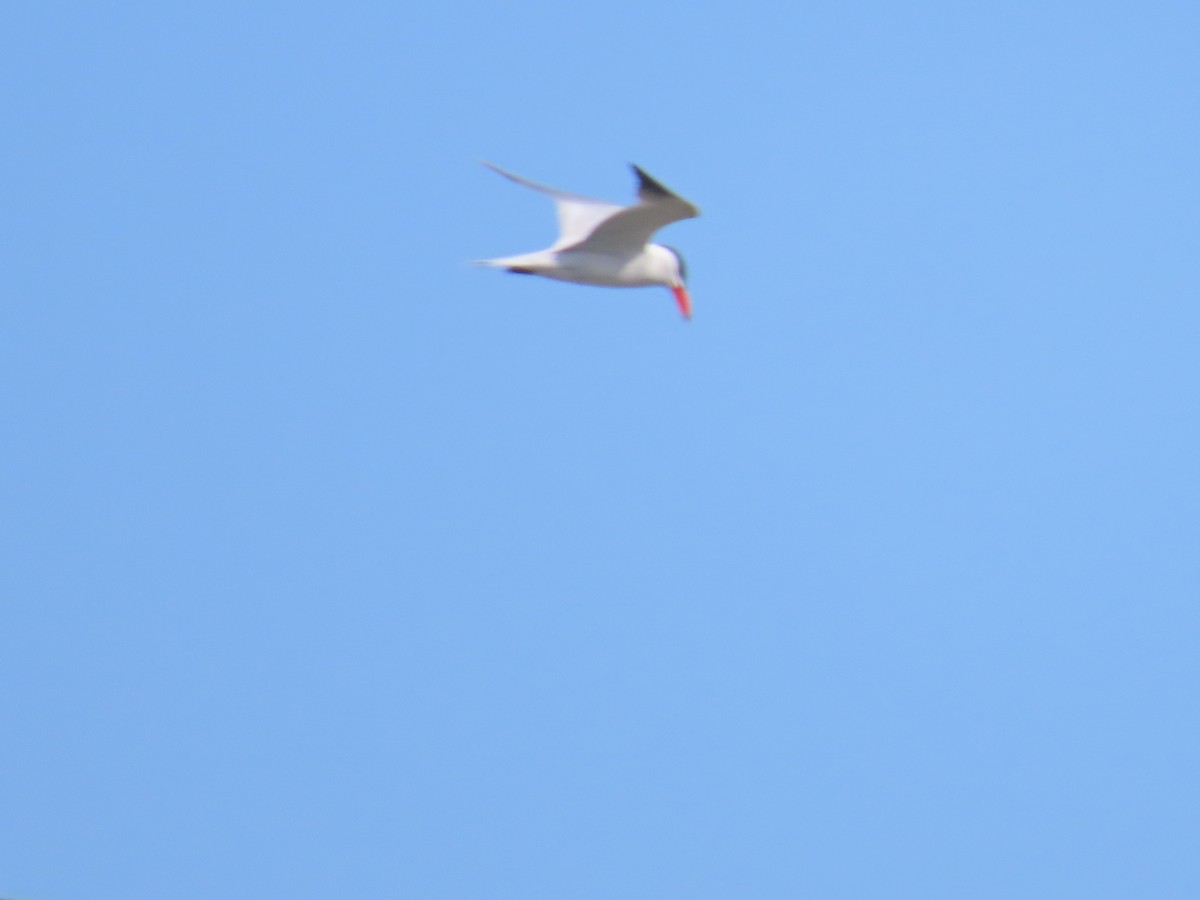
[578,216]
[630,229]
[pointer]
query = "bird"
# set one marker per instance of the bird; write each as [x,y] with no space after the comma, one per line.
[608,244]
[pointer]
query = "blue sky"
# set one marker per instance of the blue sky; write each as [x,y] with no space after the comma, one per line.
[333,566]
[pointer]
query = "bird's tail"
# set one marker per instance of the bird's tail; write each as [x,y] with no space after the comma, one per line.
[525,263]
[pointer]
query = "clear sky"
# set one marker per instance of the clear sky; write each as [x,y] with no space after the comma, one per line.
[331,566]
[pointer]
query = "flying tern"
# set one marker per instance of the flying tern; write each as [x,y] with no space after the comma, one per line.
[608,244]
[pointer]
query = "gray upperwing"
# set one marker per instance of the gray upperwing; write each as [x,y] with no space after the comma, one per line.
[648,188]
[629,230]
[651,190]
[578,216]
[543,188]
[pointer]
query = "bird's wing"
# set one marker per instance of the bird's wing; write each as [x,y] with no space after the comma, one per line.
[578,216]
[630,228]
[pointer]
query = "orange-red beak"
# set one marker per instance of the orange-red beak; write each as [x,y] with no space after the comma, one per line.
[682,298]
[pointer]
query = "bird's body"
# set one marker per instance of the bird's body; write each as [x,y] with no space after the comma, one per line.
[606,244]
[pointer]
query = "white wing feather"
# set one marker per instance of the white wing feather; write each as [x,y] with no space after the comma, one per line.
[602,227]
[577,216]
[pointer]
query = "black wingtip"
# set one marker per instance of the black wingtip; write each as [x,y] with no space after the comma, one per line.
[647,186]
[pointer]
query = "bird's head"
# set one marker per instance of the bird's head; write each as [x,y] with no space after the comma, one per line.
[678,282]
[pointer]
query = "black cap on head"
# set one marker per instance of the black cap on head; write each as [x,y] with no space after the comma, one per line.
[682,262]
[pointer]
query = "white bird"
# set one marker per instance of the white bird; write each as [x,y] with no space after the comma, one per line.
[607,244]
